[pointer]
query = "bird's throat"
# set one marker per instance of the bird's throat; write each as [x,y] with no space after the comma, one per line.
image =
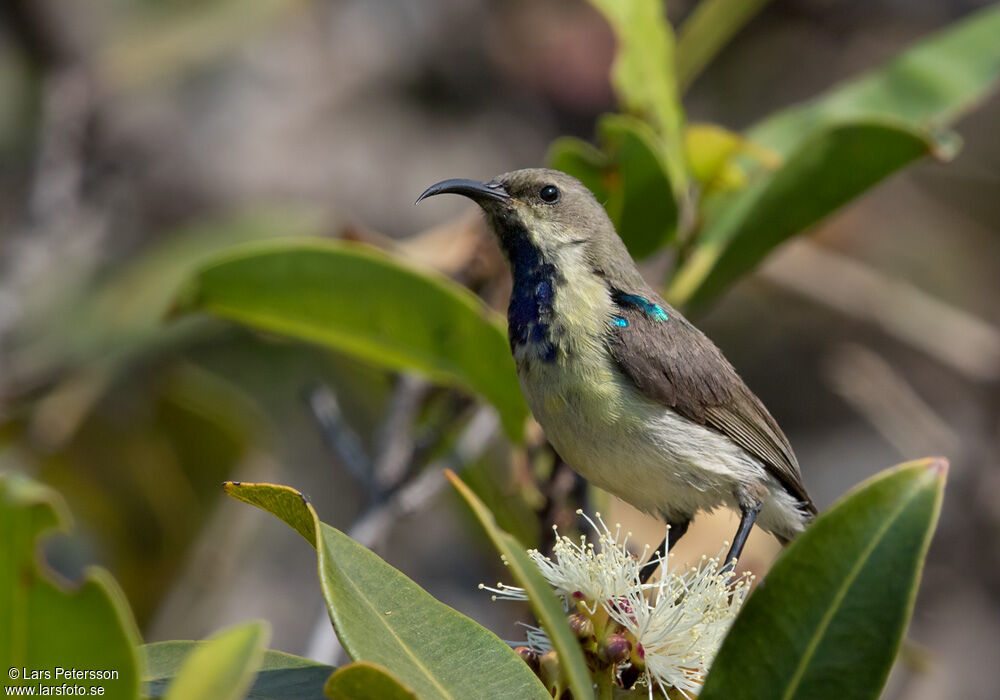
[531,326]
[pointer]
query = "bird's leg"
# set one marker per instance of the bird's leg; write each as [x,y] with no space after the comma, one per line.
[675,531]
[747,519]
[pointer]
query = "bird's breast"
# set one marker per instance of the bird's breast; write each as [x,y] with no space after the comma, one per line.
[558,314]
[561,355]
[531,325]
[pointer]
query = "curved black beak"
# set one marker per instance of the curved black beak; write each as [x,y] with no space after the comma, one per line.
[476,191]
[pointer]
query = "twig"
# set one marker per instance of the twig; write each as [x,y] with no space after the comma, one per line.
[875,390]
[564,485]
[339,436]
[950,335]
[372,528]
[394,437]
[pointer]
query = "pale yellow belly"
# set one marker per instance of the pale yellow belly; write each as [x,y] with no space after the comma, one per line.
[642,452]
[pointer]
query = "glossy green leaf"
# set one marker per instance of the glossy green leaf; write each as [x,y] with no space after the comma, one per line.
[709,27]
[383,617]
[583,161]
[829,619]
[826,172]
[543,600]
[366,681]
[931,84]
[46,624]
[358,300]
[628,176]
[223,667]
[641,202]
[279,676]
[643,74]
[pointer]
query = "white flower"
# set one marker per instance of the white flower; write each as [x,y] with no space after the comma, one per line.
[582,574]
[680,622]
[675,624]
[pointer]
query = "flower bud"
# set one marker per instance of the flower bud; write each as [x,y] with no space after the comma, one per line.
[582,625]
[529,656]
[549,671]
[638,658]
[614,649]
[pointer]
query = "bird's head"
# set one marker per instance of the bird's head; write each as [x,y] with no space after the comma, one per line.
[543,214]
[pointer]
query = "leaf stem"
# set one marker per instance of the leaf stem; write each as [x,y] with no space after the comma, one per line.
[605,684]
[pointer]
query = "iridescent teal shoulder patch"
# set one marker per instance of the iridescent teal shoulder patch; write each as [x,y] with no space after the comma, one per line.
[654,311]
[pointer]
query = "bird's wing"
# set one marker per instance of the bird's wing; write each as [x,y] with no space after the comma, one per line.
[672,362]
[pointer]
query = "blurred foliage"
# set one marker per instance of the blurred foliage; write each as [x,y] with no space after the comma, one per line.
[629,177]
[49,623]
[279,675]
[107,326]
[828,170]
[709,27]
[315,291]
[643,75]
[794,168]
[146,487]
[223,667]
[197,395]
[929,86]
[514,500]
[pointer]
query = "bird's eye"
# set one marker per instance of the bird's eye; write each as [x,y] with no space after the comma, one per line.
[549,194]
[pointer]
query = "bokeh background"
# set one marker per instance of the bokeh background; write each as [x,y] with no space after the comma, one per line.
[139,136]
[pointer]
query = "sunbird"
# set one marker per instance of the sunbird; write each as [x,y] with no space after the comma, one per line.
[629,393]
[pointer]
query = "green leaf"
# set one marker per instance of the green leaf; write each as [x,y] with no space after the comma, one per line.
[358,300]
[711,24]
[383,617]
[366,681]
[829,619]
[629,177]
[930,85]
[109,327]
[280,676]
[223,667]
[713,151]
[581,160]
[44,624]
[883,118]
[640,202]
[827,171]
[283,502]
[543,600]
[643,74]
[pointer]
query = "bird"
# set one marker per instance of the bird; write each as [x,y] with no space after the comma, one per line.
[628,392]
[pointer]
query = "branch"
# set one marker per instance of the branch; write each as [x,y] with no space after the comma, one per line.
[950,335]
[339,436]
[374,525]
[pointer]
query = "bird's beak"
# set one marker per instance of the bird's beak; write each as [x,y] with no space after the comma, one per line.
[476,191]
